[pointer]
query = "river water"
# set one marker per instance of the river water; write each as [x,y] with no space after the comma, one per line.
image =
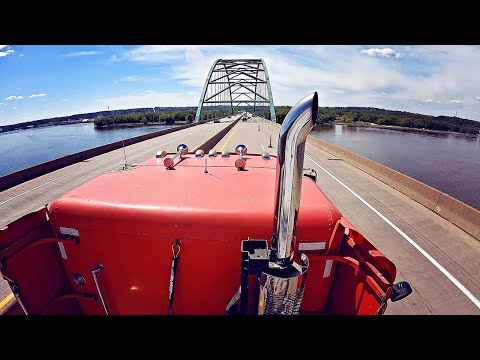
[24,148]
[449,163]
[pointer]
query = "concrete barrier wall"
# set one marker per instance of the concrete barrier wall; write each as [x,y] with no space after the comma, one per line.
[32,172]
[210,143]
[457,212]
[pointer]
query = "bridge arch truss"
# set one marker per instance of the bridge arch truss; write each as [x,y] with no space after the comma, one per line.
[241,83]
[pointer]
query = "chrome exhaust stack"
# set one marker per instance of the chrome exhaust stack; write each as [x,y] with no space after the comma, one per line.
[282,283]
[288,183]
[281,280]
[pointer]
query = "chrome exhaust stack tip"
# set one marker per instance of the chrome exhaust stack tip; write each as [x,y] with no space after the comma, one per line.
[281,291]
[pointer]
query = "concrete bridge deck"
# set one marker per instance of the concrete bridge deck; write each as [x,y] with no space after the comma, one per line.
[438,259]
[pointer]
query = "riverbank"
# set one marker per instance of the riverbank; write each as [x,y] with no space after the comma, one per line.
[145,124]
[403,129]
[11,128]
[107,127]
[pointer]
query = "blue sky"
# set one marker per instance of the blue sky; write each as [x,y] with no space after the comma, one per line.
[40,81]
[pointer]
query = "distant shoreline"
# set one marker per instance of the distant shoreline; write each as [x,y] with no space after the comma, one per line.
[36,126]
[73,122]
[137,125]
[405,129]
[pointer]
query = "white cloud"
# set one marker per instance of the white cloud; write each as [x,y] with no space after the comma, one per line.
[130,78]
[428,100]
[155,53]
[337,91]
[150,99]
[143,79]
[385,52]
[82,53]
[455,102]
[165,53]
[193,54]
[37,95]
[2,104]
[5,53]
[21,55]
[153,50]
[13,97]
[477,98]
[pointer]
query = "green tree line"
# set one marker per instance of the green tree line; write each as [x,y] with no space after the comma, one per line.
[67,119]
[360,115]
[399,118]
[168,117]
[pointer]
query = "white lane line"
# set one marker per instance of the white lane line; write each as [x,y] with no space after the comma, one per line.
[450,277]
[73,172]
[263,147]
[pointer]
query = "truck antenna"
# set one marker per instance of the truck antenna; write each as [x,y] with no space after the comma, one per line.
[124,153]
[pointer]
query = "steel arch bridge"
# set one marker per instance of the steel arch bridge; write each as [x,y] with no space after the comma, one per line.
[237,82]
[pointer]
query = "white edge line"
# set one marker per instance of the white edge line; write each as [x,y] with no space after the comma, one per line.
[457,283]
